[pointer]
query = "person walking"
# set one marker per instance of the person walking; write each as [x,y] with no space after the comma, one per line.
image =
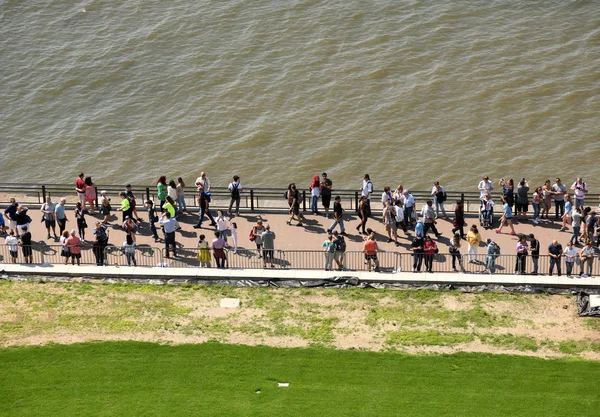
[293,196]
[74,245]
[130,227]
[473,239]
[522,251]
[315,193]
[399,217]
[555,252]
[222,225]
[367,191]
[268,246]
[105,207]
[132,203]
[170,206]
[204,198]
[571,255]
[408,201]
[10,213]
[125,206]
[363,214]
[48,209]
[180,192]
[161,191]
[152,219]
[439,197]
[235,189]
[80,213]
[566,218]
[429,218]
[576,222]
[338,216]
[389,220]
[340,249]
[328,251]
[169,225]
[326,186]
[506,217]
[455,252]
[459,219]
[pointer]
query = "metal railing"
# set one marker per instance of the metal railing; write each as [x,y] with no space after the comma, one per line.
[146,256]
[253,199]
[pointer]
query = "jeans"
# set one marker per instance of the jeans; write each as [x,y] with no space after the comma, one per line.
[62,224]
[586,263]
[559,209]
[456,257]
[575,235]
[408,215]
[569,267]
[429,263]
[520,265]
[439,206]
[579,202]
[130,259]
[431,226]
[328,261]
[181,204]
[417,261]
[535,259]
[313,204]
[491,263]
[339,221]
[237,205]
[170,241]
[536,210]
[204,211]
[554,261]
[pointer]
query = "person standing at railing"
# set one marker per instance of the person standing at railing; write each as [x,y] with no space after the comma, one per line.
[455,252]
[203,252]
[13,246]
[338,216]
[102,234]
[268,246]
[473,239]
[587,258]
[546,199]
[74,245]
[256,236]
[340,249]
[398,193]
[534,244]
[64,250]
[493,251]
[430,250]
[370,249]
[169,225]
[80,187]
[152,219]
[90,193]
[204,197]
[161,191]
[328,252]
[26,245]
[61,215]
[326,186]
[180,188]
[10,213]
[459,219]
[132,203]
[49,219]
[566,218]
[555,252]
[418,249]
[439,197]
[571,254]
[580,189]
[218,247]
[522,250]
[235,189]
[315,193]
[128,249]
[172,190]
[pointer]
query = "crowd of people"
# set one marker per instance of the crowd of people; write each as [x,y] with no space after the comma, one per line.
[398,212]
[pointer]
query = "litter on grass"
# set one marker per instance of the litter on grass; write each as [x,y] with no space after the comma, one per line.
[283,384]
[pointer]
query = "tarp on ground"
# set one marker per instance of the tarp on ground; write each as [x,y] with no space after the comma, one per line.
[588,305]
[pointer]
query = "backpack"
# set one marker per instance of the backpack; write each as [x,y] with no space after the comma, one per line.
[496,249]
[235,192]
[441,196]
[340,244]
[285,195]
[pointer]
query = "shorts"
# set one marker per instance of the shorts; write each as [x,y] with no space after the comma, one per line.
[325,200]
[65,253]
[81,197]
[391,227]
[522,207]
[337,255]
[14,254]
[76,255]
[50,223]
[21,226]
[296,209]
[90,200]
[268,254]
[27,250]
[371,257]
[12,224]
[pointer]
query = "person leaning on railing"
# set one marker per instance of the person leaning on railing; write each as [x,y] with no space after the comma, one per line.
[102,234]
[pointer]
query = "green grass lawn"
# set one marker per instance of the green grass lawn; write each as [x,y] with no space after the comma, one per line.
[212,379]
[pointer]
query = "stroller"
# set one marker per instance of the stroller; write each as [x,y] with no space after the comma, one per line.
[486,214]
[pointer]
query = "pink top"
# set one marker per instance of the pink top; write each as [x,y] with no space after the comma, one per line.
[74,244]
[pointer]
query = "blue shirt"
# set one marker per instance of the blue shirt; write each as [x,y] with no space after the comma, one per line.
[568,207]
[420,229]
[169,225]
[507,210]
[60,212]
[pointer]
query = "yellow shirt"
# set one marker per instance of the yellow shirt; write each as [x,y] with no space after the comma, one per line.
[125,204]
[473,238]
[169,207]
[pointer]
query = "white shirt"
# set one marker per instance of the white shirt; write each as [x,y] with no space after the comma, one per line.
[385,197]
[570,252]
[221,223]
[579,194]
[367,188]
[315,192]
[232,184]
[204,184]
[172,192]
[434,190]
[399,213]
[408,200]
[13,243]
[485,187]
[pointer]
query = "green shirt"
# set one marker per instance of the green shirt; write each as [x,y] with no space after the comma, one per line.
[162,191]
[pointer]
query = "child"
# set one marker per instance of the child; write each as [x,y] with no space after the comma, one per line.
[222,225]
[128,249]
[13,246]
[233,231]
[152,219]
[203,252]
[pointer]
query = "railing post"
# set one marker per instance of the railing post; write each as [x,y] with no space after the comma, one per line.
[356,201]
[43,193]
[303,200]
[96,192]
[462,198]
[251,199]
[147,193]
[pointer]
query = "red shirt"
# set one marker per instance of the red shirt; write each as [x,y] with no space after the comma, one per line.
[429,247]
[80,185]
[370,247]
[74,244]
